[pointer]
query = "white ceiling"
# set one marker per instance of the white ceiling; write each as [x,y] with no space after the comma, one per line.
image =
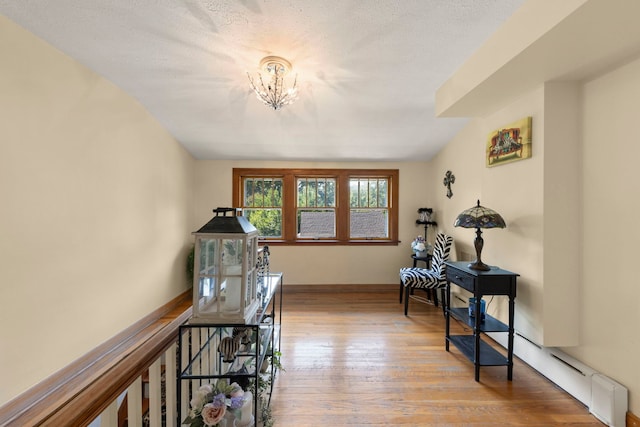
[367,70]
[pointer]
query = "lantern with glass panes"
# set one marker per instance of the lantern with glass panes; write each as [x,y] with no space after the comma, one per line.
[225,273]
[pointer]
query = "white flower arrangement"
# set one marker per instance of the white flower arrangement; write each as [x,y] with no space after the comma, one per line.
[211,402]
[419,245]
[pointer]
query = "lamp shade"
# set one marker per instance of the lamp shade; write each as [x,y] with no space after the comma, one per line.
[479,217]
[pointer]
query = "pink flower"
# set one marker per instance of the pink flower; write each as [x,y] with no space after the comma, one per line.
[211,415]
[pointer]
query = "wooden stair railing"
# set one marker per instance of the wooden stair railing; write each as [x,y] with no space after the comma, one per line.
[77,394]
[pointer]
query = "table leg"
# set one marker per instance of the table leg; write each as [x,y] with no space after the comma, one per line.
[510,345]
[446,315]
[476,334]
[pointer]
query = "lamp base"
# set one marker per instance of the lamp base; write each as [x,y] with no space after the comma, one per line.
[479,265]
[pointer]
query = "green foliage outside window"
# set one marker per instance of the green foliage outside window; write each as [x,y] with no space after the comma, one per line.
[267,221]
[316,192]
[263,205]
[368,193]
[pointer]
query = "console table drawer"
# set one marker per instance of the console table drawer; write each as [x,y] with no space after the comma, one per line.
[461,279]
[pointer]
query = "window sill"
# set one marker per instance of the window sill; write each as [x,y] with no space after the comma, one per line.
[325,242]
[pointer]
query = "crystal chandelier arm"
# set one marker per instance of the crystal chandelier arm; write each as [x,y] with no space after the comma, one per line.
[252,84]
[270,89]
[265,92]
[276,82]
[261,94]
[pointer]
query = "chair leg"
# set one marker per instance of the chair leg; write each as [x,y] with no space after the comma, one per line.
[434,295]
[406,301]
[445,303]
[401,289]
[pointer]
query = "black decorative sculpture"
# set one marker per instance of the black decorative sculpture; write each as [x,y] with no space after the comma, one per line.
[449,178]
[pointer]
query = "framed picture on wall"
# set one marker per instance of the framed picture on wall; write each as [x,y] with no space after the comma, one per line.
[509,143]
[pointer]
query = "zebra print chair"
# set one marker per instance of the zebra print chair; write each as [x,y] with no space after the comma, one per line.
[433,278]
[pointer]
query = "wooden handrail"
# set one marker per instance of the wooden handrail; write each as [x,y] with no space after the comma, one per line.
[77,394]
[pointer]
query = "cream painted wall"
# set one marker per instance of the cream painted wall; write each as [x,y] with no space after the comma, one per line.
[610,341]
[95,211]
[515,190]
[360,265]
[562,233]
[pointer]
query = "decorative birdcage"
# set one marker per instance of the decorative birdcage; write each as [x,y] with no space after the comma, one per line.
[225,273]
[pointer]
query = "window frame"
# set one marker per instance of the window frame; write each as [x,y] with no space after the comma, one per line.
[289,202]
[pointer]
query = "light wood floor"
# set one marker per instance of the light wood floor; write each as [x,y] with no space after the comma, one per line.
[354,359]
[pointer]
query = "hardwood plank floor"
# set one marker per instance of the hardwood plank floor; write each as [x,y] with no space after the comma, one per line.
[354,359]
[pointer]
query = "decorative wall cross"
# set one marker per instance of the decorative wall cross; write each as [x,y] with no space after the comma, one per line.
[449,179]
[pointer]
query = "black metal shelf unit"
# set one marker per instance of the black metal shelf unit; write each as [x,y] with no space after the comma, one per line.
[200,360]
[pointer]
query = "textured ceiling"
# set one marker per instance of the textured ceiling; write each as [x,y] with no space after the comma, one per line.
[367,70]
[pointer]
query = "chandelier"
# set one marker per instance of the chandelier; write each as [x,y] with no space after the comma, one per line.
[273,94]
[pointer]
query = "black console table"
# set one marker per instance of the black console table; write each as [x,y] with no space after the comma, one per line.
[493,282]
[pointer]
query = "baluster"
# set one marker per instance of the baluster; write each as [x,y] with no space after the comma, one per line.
[155,393]
[171,398]
[134,403]
[109,417]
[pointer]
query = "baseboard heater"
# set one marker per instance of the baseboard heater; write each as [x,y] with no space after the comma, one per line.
[605,398]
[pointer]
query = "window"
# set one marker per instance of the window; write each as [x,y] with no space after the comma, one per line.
[368,217]
[320,206]
[262,204]
[316,208]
